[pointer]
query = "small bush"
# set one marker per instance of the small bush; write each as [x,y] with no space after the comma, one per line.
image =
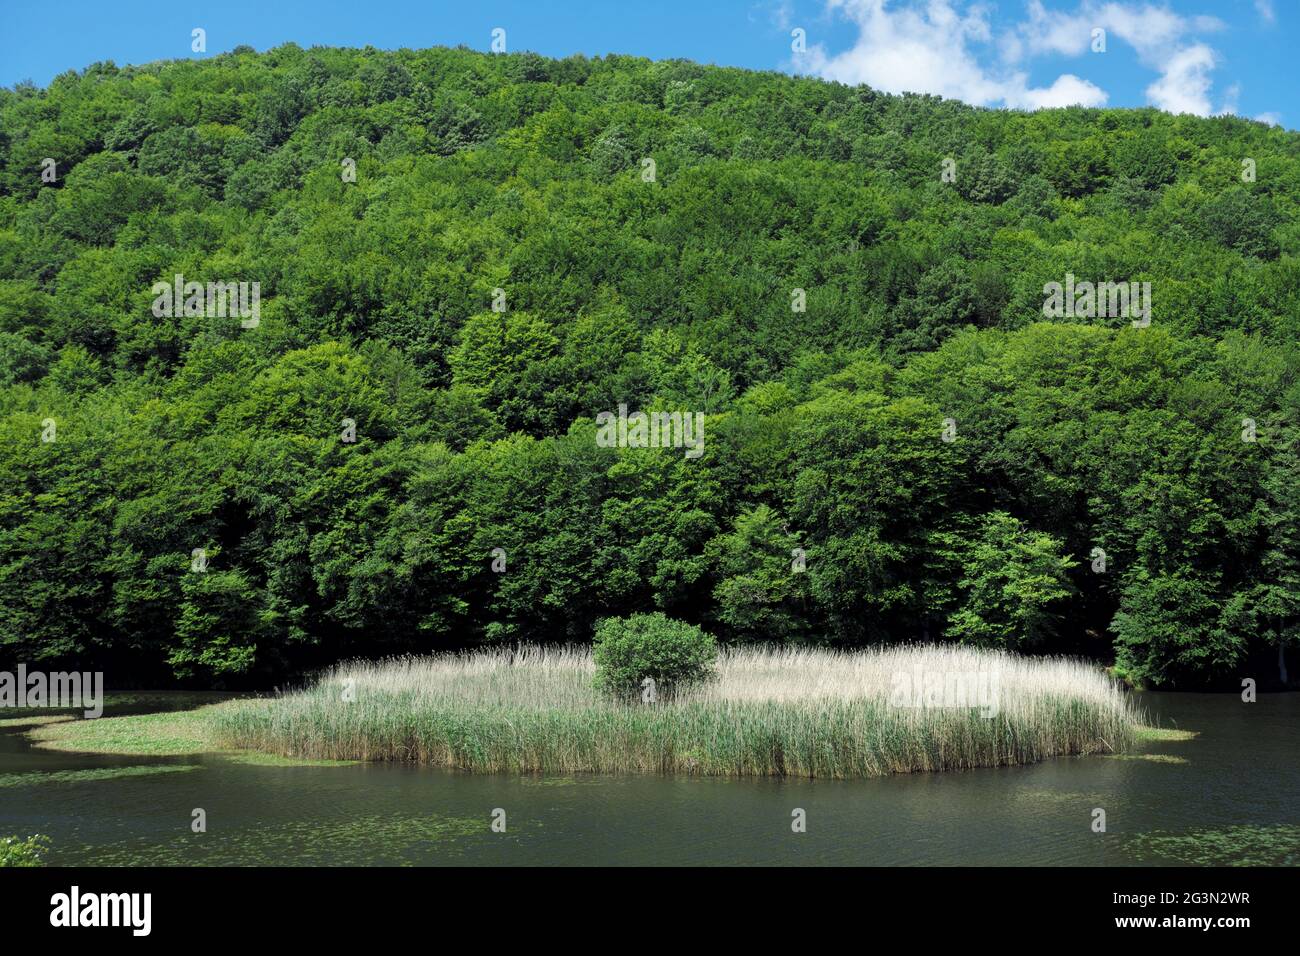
[673,653]
[28,852]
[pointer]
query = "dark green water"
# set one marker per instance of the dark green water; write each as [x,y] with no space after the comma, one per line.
[1235,800]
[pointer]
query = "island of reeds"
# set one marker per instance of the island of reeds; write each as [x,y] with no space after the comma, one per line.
[765,712]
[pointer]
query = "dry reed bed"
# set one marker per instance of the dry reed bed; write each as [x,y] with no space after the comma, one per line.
[796,712]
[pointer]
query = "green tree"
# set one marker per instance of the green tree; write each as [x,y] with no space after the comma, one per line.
[1013,583]
[761,592]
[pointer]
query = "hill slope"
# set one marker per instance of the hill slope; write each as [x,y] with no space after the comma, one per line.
[462,260]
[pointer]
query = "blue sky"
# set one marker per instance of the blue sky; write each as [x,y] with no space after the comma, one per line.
[1196,56]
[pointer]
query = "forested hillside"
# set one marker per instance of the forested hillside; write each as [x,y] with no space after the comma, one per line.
[463,259]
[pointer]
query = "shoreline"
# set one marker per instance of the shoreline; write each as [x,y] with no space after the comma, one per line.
[162,733]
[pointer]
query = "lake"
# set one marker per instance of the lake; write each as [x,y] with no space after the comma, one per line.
[1236,799]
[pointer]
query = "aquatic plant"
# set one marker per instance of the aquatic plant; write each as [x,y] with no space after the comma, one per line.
[90,775]
[1242,845]
[24,852]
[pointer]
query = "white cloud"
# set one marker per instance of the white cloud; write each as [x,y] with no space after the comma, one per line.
[948,47]
[1067,90]
[1265,10]
[927,48]
[1163,40]
[1184,86]
[1055,32]
[1272,119]
[1154,32]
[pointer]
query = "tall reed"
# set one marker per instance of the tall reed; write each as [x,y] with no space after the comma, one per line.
[798,712]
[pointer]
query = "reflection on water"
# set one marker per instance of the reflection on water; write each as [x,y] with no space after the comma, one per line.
[1235,799]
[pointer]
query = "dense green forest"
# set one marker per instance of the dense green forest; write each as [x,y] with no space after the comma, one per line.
[463,259]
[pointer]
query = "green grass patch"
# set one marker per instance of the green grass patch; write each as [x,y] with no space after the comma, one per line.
[256,759]
[1171,734]
[1151,758]
[117,703]
[172,734]
[35,721]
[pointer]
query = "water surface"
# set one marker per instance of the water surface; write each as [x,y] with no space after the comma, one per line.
[1236,799]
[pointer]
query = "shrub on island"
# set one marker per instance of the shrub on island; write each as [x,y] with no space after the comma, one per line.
[631,651]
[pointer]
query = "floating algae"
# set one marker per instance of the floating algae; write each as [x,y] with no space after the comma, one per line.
[1222,846]
[88,776]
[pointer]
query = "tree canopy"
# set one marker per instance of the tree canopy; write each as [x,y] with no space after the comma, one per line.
[463,259]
